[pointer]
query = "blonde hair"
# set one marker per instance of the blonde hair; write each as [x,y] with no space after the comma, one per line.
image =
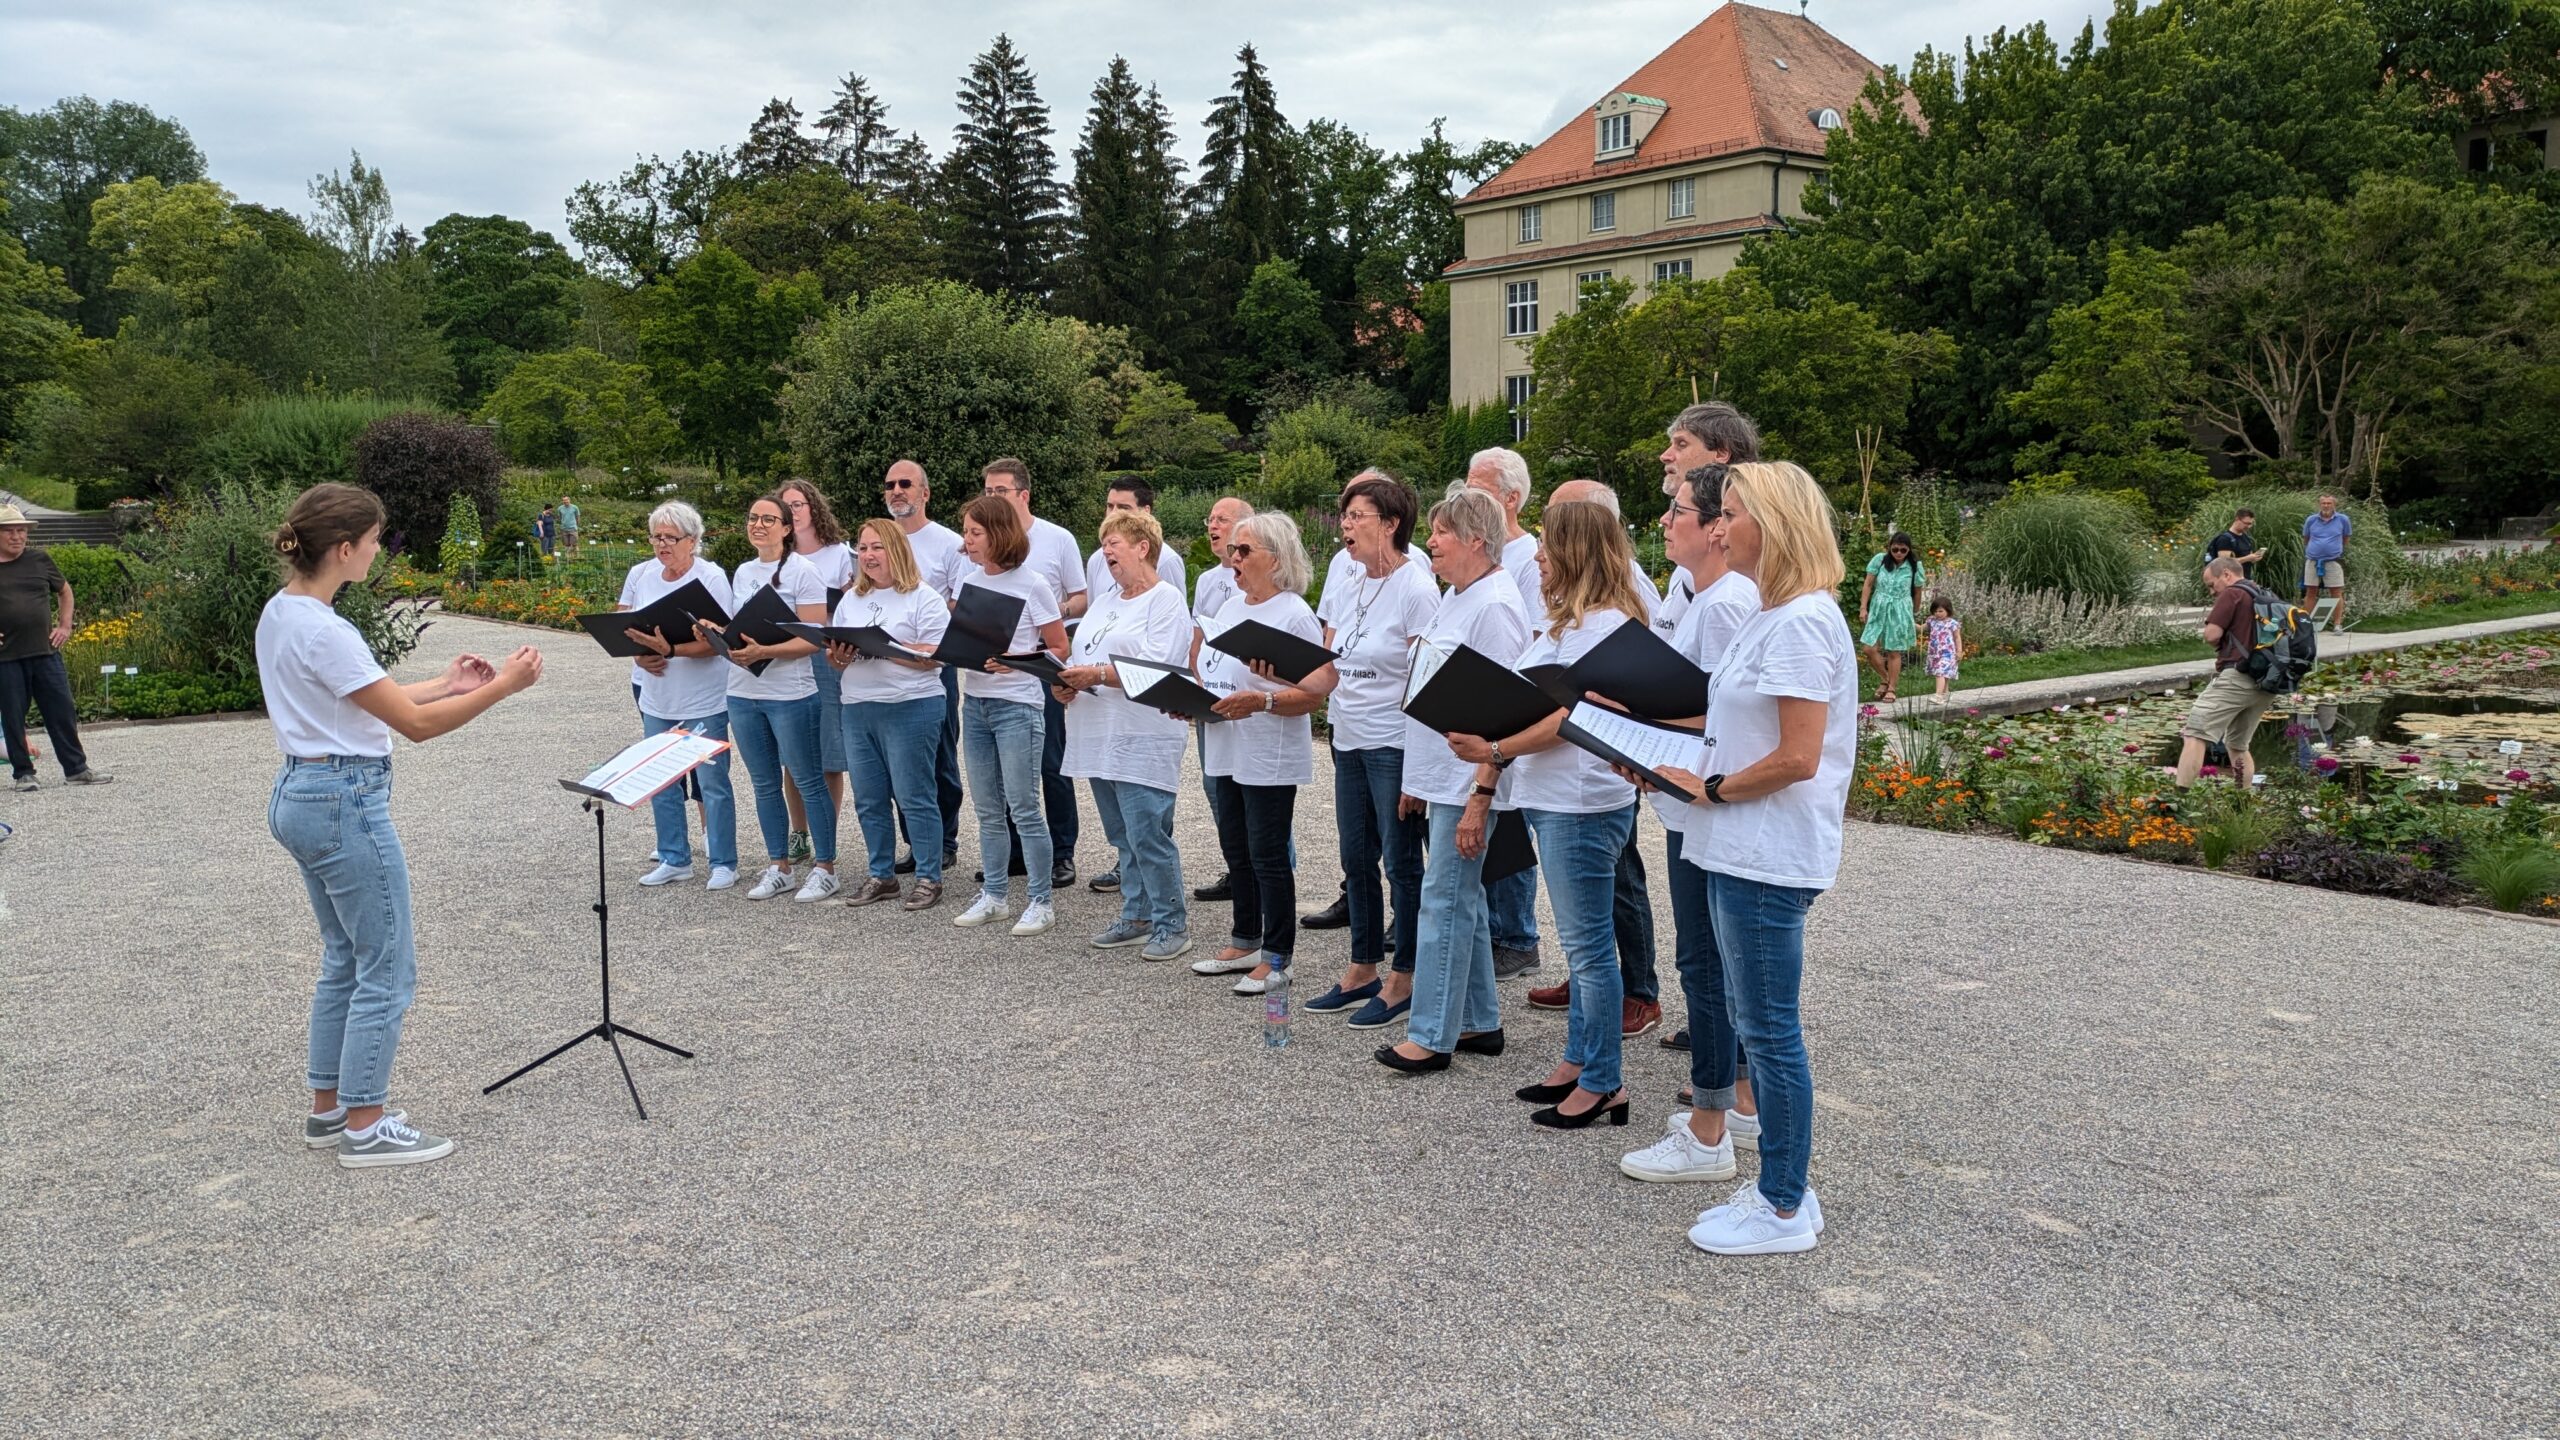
[903,576]
[1278,533]
[1135,525]
[1590,565]
[1799,551]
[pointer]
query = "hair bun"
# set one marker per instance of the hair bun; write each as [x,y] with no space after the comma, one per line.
[287,543]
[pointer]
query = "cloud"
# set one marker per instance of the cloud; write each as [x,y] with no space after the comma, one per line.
[480,106]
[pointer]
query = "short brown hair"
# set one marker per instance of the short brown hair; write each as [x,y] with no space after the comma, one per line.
[1008,540]
[323,518]
[1137,525]
[1011,468]
[1392,499]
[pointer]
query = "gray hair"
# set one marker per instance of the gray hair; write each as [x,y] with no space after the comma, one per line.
[1509,470]
[1473,517]
[2224,566]
[1278,533]
[1719,426]
[1587,492]
[682,518]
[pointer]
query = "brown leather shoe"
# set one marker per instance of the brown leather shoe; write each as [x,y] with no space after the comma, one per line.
[1549,997]
[872,891]
[1637,1016]
[925,895]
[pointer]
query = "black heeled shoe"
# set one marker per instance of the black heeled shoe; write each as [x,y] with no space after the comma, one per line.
[1554,1118]
[1388,1056]
[1543,1094]
[1488,1043]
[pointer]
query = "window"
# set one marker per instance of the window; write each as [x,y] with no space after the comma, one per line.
[1516,390]
[1589,278]
[1825,118]
[1682,201]
[1670,270]
[1604,212]
[1533,223]
[2479,162]
[1617,132]
[1520,308]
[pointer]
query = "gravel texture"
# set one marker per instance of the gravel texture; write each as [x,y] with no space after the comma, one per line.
[2105,1148]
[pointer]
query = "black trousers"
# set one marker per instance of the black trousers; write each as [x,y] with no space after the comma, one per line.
[1631,916]
[1057,792]
[41,681]
[1253,835]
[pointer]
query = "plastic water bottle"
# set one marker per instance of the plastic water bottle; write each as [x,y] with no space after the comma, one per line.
[1275,1006]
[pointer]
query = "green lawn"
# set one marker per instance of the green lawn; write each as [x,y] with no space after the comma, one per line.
[2462,612]
[40,489]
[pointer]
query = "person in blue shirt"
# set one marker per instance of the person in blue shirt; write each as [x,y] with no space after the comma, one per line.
[2324,554]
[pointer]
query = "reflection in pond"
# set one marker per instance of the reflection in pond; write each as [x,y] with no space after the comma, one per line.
[2466,723]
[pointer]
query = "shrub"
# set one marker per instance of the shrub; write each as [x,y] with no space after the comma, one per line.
[1997,617]
[101,576]
[2080,546]
[2307,857]
[461,548]
[2233,824]
[730,549]
[418,463]
[2513,872]
[1295,479]
[207,575]
[2373,560]
[159,695]
[295,441]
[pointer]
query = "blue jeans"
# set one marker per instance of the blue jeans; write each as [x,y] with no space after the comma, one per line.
[719,802]
[1002,738]
[1580,855]
[334,818]
[1139,821]
[1512,903]
[830,715]
[1453,990]
[1760,933]
[1716,1063]
[1631,920]
[946,767]
[888,751]
[41,681]
[1366,786]
[777,735]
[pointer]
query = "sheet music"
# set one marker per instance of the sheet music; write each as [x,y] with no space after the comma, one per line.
[649,765]
[1652,747]
[1427,660]
[1139,677]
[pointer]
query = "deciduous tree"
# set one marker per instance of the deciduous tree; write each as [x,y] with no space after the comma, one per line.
[713,337]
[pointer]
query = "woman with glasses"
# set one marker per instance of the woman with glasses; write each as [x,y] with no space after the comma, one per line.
[818,539]
[892,713]
[1264,750]
[1001,726]
[1886,609]
[684,687]
[1131,753]
[773,716]
[1375,606]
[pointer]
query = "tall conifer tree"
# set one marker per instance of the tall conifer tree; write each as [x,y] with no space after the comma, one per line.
[1000,192]
[1126,215]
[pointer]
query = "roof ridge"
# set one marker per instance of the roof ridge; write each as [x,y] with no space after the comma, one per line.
[1742,53]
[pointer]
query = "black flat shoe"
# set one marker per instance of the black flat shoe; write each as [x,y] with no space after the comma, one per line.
[1554,1118]
[1388,1057]
[1220,889]
[1544,1094]
[1332,917]
[1488,1043]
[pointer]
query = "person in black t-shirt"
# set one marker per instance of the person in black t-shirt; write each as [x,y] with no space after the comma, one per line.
[31,640]
[2235,542]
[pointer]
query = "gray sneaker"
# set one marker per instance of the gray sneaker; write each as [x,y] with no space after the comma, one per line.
[89,777]
[322,1134]
[1167,947]
[1507,962]
[1123,933]
[393,1142]
[26,782]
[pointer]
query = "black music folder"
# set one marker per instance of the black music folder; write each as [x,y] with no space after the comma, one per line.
[1635,667]
[670,617]
[1169,688]
[982,626]
[1467,693]
[1293,658]
[870,640]
[761,620]
[1507,846]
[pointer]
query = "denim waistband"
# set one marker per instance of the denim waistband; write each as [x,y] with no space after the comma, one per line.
[351,764]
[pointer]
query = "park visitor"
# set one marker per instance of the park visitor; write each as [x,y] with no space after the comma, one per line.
[1894,579]
[37,611]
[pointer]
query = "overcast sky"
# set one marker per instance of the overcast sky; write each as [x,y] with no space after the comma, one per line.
[506,105]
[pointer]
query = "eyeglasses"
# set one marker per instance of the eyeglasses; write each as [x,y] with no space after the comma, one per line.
[1679,509]
[897,484]
[795,503]
[1349,515]
[764,519]
[1005,490]
[668,539]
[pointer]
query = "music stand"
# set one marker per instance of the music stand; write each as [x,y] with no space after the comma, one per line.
[607,1028]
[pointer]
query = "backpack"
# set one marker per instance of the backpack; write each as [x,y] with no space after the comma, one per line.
[2283,647]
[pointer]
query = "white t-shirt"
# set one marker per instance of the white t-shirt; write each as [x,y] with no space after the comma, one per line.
[1800,650]
[692,688]
[1644,587]
[1039,607]
[834,564]
[1706,630]
[1675,602]
[799,585]
[1342,565]
[1055,558]
[1568,779]
[1520,562]
[1485,617]
[1097,574]
[1374,625]
[915,619]
[1211,592]
[1110,736]
[1259,749]
[938,558]
[310,659]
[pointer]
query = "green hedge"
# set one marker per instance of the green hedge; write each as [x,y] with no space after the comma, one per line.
[151,696]
[101,576]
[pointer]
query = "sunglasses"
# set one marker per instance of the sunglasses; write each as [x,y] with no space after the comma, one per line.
[1238,552]
[897,484]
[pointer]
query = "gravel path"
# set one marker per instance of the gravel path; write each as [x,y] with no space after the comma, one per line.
[2105,1148]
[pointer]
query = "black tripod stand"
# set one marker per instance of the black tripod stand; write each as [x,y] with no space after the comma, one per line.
[605,1029]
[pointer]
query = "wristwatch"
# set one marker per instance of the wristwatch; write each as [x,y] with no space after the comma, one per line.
[1500,761]
[1713,790]
[1485,790]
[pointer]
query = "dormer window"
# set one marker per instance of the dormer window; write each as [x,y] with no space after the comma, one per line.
[1620,123]
[1825,118]
[1617,132]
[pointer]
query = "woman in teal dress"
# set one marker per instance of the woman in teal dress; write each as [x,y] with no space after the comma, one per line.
[1885,609]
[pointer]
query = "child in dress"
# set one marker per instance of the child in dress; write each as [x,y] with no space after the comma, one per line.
[1946,643]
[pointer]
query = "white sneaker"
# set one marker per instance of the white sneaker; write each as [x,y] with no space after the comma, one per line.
[1679,1156]
[1215,966]
[1250,986]
[775,880]
[1036,917]
[986,908]
[1744,1131]
[667,874]
[722,877]
[822,883]
[1745,1225]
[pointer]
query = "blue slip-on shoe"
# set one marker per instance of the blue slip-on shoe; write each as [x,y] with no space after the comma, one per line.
[1378,1012]
[1338,998]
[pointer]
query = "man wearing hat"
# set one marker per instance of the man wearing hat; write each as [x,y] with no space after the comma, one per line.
[31,640]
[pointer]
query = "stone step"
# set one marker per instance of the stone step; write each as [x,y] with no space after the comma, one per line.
[83,528]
